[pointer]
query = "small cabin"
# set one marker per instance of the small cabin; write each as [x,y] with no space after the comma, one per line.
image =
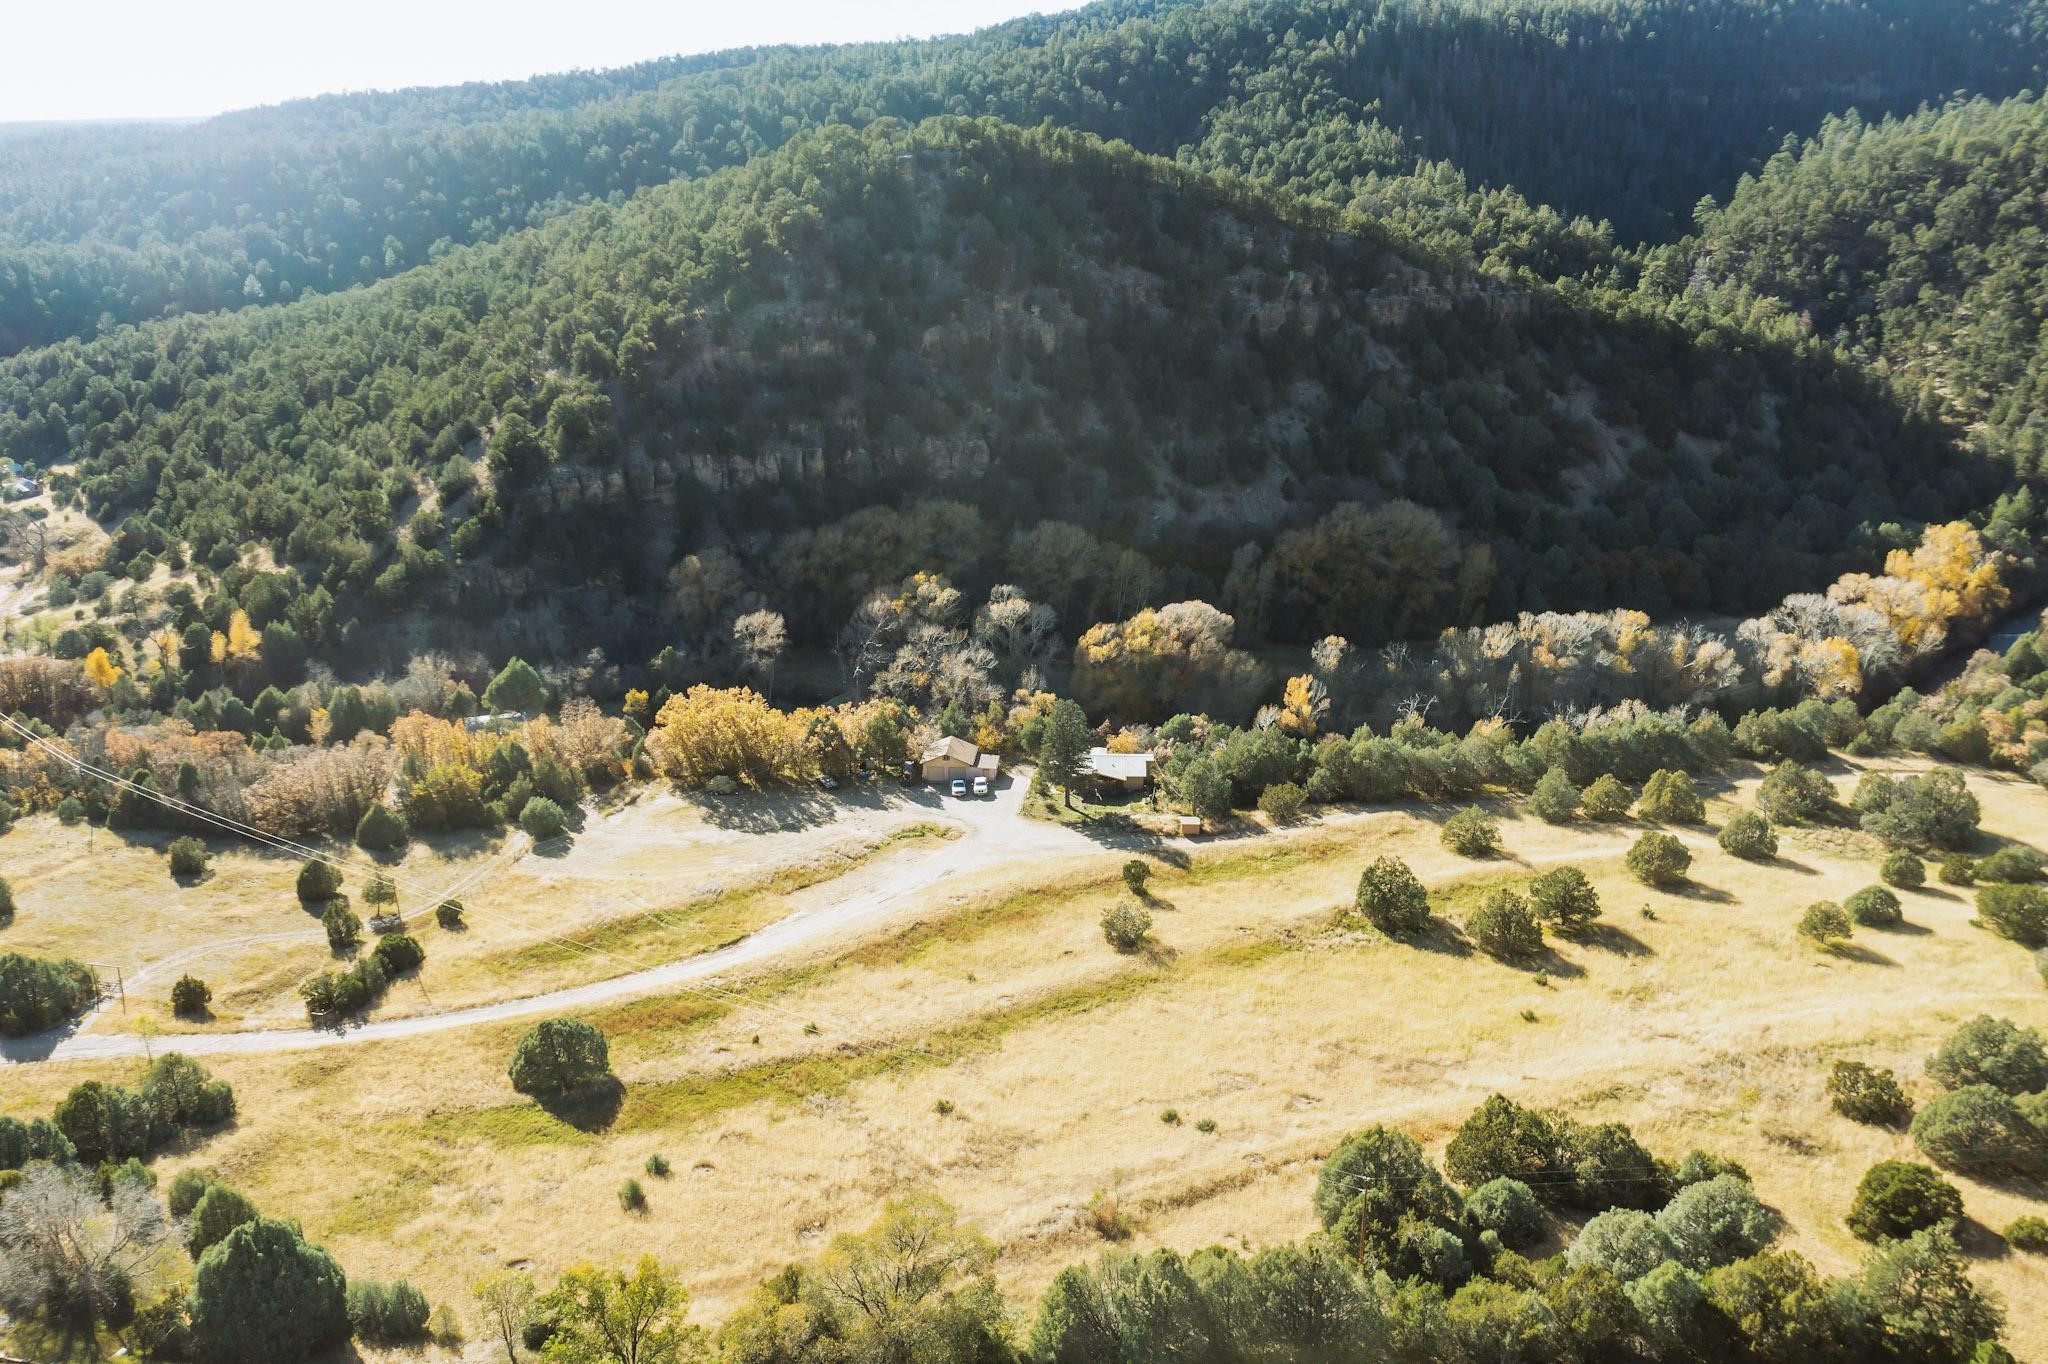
[1120,771]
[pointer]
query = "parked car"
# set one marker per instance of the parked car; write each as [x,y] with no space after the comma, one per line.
[959,786]
[981,786]
[828,783]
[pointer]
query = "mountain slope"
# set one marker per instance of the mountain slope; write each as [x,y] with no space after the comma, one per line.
[1919,245]
[1029,323]
[1629,111]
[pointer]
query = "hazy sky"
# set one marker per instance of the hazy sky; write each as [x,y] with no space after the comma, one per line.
[182,58]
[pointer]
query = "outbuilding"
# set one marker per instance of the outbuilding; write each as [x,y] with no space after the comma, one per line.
[950,759]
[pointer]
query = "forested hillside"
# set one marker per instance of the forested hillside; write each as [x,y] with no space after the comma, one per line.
[1629,112]
[1917,245]
[1028,326]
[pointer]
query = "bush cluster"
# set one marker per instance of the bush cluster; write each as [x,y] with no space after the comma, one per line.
[1472,832]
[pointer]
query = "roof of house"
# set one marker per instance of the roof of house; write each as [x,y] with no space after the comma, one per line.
[958,750]
[1121,766]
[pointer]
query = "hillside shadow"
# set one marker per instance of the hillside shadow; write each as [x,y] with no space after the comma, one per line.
[594,1108]
[1610,938]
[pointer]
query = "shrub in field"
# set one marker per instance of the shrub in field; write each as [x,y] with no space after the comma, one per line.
[190,996]
[2029,1234]
[6,903]
[1659,859]
[1979,1129]
[1874,792]
[541,819]
[632,1197]
[381,829]
[1625,1242]
[344,929]
[1502,1139]
[1991,1051]
[1903,868]
[1390,897]
[1792,794]
[1700,1166]
[2016,912]
[188,857]
[1126,926]
[1874,907]
[387,1314]
[1716,1222]
[448,914]
[71,810]
[1503,925]
[1935,811]
[1825,922]
[1899,1197]
[1957,869]
[1563,898]
[263,1294]
[2011,864]
[218,1211]
[1868,1094]
[318,881]
[1136,871]
[1749,836]
[657,1165]
[38,993]
[1282,801]
[380,894]
[1607,799]
[559,1055]
[1555,800]
[398,953]
[1508,1209]
[1611,1169]
[1670,798]
[1472,833]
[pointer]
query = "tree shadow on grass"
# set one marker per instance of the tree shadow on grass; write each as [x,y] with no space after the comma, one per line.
[758,812]
[1549,962]
[1611,938]
[1124,834]
[1783,863]
[593,1108]
[1701,891]
[1441,937]
[1904,928]
[1978,1241]
[1858,953]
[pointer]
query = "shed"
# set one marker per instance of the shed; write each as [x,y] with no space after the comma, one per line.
[1190,826]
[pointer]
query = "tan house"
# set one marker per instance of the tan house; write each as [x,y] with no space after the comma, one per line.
[1119,771]
[956,758]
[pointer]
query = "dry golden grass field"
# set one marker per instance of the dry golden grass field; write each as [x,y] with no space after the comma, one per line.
[654,879]
[790,1113]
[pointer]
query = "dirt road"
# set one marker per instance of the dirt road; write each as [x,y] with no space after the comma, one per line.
[995,833]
